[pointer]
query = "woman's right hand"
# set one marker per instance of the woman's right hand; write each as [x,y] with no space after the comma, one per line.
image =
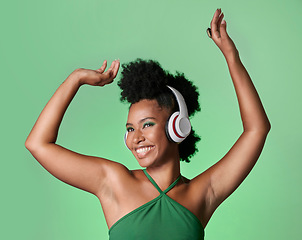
[98,77]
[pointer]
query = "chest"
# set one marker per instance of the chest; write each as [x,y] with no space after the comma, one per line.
[133,196]
[160,218]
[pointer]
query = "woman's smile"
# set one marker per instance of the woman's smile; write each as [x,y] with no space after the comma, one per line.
[143,151]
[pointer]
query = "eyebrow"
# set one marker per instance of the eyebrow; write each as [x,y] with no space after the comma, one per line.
[140,121]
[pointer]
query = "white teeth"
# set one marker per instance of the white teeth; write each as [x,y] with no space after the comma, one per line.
[143,150]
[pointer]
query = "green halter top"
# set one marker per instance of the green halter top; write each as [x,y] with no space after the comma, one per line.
[160,218]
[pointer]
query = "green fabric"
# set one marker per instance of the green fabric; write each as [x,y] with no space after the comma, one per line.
[161,218]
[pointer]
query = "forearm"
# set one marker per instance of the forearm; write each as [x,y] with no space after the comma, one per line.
[251,109]
[252,112]
[47,125]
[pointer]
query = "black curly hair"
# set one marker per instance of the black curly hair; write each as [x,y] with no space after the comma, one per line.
[145,79]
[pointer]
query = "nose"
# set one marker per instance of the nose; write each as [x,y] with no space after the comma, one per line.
[138,137]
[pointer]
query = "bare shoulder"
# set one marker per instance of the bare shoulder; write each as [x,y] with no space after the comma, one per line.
[120,174]
[119,180]
[116,173]
[124,191]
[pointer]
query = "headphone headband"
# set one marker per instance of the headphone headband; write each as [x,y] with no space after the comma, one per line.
[181,102]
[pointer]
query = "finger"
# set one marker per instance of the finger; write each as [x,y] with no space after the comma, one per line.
[108,76]
[103,67]
[110,68]
[219,21]
[223,31]
[114,71]
[215,16]
[214,21]
[116,68]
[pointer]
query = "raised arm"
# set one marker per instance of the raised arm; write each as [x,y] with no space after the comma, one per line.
[227,174]
[81,171]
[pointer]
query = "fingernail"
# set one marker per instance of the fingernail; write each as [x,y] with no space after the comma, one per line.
[209,32]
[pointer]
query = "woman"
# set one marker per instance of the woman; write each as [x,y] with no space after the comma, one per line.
[155,203]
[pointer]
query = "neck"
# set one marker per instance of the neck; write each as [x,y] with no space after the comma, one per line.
[165,174]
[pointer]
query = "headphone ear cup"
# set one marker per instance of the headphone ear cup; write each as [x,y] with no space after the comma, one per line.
[125,138]
[177,129]
[171,128]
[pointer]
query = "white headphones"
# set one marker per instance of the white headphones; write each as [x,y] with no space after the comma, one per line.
[178,126]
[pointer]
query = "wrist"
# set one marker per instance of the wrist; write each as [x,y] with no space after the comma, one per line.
[76,77]
[232,57]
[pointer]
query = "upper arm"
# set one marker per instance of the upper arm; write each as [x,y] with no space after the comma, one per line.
[228,173]
[85,172]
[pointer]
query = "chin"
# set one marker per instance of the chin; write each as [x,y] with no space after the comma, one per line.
[145,162]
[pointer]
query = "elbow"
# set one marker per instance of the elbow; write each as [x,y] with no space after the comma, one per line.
[267,126]
[265,129]
[28,143]
[30,146]
[261,129]
[34,146]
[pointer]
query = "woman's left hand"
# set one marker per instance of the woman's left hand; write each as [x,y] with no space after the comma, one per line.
[98,77]
[220,35]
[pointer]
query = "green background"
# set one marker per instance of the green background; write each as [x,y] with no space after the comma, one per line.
[42,42]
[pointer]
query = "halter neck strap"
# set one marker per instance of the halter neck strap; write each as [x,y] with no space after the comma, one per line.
[157,187]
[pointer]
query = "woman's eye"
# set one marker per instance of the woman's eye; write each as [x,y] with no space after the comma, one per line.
[129,129]
[148,124]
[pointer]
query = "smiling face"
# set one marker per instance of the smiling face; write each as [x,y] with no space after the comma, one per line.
[146,138]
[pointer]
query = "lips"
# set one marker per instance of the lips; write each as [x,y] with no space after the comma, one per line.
[143,151]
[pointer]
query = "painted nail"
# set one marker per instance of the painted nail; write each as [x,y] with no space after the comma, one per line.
[209,32]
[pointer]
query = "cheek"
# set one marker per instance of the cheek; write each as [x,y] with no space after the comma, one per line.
[160,136]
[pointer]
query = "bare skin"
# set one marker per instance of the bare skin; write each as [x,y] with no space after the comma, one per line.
[120,190]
